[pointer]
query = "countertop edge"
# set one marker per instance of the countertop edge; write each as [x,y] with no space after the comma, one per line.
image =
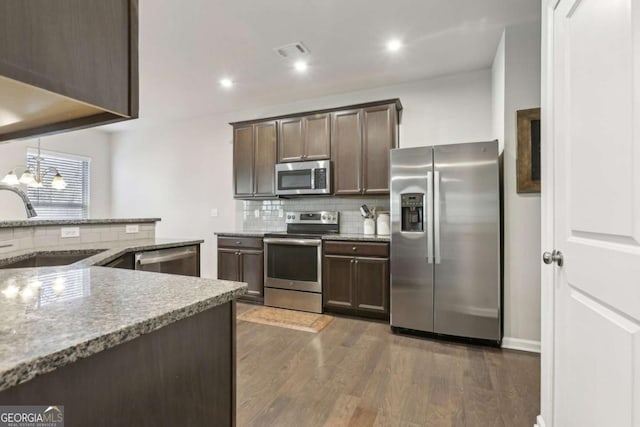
[26,371]
[345,237]
[45,222]
[102,258]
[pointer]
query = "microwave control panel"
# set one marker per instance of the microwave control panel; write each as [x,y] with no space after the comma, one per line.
[321,178]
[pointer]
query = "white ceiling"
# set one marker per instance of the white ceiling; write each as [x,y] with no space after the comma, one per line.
[187,46]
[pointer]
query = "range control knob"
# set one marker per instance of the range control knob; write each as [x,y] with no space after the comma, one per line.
[324,217]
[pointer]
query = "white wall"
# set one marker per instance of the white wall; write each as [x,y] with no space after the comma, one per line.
[516,89]
[182,170]
[89,143]
[497,92]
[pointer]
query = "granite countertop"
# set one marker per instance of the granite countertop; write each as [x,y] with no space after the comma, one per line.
[34,222]
[52,316]
[242,233]
[357,237]
[350,237]
[109,250]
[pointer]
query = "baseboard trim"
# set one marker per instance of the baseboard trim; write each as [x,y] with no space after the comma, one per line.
[539,422]
[520,344]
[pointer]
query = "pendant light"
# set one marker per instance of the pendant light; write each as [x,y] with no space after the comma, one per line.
[34,180]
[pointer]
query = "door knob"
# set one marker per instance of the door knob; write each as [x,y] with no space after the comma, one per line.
[551,257]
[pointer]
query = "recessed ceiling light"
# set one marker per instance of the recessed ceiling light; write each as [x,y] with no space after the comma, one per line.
[226,83]
[394,45]
[300,66]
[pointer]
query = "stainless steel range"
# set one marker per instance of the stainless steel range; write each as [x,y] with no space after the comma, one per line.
[293,261]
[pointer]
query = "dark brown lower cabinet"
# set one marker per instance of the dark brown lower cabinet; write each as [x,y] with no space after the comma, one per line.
[183,374]
[356,285]
[242,260]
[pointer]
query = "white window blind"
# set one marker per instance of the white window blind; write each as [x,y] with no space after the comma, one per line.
[70,203]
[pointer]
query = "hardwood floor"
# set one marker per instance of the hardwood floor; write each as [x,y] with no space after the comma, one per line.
[357,373]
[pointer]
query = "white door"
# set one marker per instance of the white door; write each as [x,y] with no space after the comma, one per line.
[596,148]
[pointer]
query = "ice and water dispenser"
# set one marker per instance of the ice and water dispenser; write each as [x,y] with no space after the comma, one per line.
[412,205]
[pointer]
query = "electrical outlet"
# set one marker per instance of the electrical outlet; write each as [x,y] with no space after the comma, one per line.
[69,232]
[129,229]
[256,213]
[280,213]
[214,212]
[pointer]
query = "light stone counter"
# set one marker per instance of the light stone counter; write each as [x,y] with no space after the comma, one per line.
[52,316]
[40,222]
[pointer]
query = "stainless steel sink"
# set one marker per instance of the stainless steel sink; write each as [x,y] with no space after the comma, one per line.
[49,259]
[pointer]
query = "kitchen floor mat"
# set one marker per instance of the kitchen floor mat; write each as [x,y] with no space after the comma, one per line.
[299,320]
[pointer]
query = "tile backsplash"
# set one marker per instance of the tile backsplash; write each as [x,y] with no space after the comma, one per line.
[268,215]
[34,237]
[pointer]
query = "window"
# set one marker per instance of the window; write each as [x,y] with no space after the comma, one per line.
[70,203]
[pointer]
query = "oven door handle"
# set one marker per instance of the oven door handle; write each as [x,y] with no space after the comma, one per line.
[297,242]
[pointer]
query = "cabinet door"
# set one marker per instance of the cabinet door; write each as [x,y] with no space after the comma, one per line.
[338,282]
[252,267]
[372,285]
[346,151]
[243,160]
[291,140]
[228,264]
[317,132]
[77,48]
[379,136]
[265,158]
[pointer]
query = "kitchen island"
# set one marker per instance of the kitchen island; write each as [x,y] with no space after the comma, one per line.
[119,347]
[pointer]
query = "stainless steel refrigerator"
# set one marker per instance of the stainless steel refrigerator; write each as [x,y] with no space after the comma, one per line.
[445,240]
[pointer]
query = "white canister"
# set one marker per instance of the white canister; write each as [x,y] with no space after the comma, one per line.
[383,224]
[369,226]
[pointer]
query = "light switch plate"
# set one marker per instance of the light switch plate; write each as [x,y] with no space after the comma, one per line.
[256,213]
[214,212]
[69,232]
[132,229]
[280,213]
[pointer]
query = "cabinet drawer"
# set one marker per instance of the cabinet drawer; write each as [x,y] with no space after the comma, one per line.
[357,248]
[240,242]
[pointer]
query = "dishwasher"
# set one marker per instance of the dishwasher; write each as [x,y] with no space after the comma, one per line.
[184,261]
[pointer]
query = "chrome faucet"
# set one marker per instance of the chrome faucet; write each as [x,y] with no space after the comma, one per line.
[31,212]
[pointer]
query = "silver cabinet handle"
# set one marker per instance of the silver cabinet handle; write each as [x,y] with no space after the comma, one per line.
[142,260]
[551,257]
[436,215]
[428,226]
[298,242]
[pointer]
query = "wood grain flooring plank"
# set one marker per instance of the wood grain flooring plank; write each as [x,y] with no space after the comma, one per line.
[357,373]
[342,411]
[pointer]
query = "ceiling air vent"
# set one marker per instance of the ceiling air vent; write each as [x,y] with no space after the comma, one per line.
[292,51]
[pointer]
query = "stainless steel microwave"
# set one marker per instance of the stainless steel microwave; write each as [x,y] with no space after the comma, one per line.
[299,178]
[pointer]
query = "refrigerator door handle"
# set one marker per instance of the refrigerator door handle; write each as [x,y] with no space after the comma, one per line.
[427,227]
[436,215]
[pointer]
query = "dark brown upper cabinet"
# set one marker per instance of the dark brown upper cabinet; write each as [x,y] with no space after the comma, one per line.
[254,159]
[305,138]
[357,138]
[361,140]
[67,64]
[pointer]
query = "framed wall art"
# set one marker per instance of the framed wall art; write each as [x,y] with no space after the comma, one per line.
[528,168]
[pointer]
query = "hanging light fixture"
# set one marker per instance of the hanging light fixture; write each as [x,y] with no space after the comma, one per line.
[34,180]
